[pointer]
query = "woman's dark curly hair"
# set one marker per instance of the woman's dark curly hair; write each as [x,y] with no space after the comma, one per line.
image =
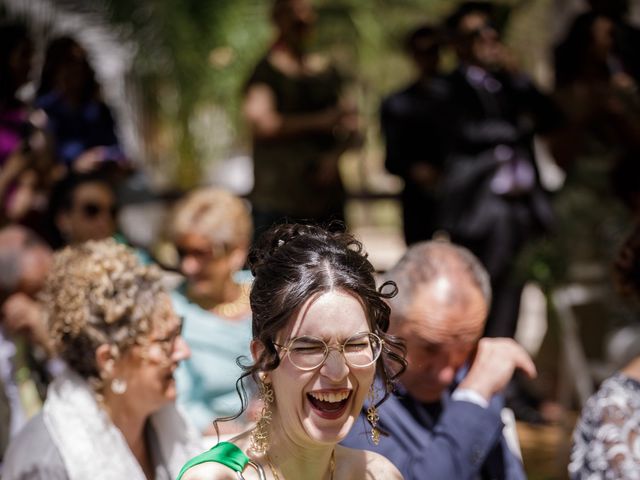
[292,263]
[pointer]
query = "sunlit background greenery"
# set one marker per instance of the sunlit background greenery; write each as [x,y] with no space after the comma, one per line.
[192,57]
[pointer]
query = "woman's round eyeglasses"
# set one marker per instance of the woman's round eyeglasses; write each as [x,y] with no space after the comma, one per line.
[308,353]
[163,347]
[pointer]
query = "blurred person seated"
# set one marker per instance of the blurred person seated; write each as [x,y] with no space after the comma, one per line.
[16,53]
[26,158]
[444,420]
[319,339]
[605,440]
[599,95]
[301,123]
[211,230]
[596,90]
[598,148]
[407,120]
[83,207]
[25,349]
[111,414]
[79,120]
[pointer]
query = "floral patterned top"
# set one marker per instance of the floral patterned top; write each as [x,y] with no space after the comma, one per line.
[606,441]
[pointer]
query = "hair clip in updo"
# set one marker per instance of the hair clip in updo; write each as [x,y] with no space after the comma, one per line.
[280,242]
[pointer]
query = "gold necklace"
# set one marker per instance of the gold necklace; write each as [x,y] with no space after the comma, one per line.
[234,308]
[274,472]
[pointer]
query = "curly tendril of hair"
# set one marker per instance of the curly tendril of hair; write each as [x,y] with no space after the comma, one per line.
[98,293]
[293,263]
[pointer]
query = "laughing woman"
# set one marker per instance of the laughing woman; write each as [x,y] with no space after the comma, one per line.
[319,340]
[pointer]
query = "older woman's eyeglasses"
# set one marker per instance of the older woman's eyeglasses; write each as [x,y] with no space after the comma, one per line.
[202,255]
[167,343]
[308,353]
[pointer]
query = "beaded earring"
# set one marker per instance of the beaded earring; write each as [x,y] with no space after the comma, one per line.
[118,386]
[260,434]
[372,416]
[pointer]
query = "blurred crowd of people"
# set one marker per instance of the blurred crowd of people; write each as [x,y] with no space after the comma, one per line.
[89,325]
[465,143]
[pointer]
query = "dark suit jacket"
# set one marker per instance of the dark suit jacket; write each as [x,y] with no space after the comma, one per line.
[465,442]
[477,124]
[409,124]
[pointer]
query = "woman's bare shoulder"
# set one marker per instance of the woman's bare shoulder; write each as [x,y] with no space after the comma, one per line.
[365,465]
[380,467]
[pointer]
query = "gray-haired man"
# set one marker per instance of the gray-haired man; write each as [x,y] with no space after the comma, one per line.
[444,421]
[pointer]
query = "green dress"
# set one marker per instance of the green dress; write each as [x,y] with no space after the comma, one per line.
[225,453]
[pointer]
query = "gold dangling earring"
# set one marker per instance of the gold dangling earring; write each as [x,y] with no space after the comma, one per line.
[260,434]
[372,416]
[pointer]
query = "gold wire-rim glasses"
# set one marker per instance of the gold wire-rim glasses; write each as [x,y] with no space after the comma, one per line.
[165,344]
[289,350]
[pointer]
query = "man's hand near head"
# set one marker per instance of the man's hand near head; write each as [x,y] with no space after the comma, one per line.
[494,363]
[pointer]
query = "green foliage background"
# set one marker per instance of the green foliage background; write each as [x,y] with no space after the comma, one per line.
[193,57]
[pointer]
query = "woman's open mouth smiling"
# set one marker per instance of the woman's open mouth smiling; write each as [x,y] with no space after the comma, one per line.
[329,404]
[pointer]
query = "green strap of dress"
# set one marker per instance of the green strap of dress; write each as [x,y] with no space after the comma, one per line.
[225,453]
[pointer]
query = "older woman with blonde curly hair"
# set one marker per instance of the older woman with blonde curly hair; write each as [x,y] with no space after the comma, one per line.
[111,414]
[211,230]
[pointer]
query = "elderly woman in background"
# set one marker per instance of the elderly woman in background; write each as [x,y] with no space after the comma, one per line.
[211,230]
[319,339]
[111,415]
[605,441]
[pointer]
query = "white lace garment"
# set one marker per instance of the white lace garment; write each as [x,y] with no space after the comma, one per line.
[606,441]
